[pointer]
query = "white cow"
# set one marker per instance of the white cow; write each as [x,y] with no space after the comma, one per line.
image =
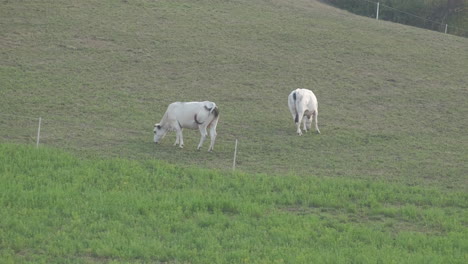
[193,115]
[303,104]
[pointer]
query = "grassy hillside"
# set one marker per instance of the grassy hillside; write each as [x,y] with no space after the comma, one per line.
[392,99]
[57,208]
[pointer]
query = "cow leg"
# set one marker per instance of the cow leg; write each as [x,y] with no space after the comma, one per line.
[316,124]
[179,138]
[307,123]
[299,118]
[304,121]
[203,136]
[298,128]
[213,133]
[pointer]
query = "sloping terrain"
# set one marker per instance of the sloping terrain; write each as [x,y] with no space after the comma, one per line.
[392,99]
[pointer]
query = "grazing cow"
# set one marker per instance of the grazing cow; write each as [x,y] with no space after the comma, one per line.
[193,115]
[303,104]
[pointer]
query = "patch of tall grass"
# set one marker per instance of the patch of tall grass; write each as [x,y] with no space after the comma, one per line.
[57,208]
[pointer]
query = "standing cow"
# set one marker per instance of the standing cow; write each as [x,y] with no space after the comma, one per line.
[303,104]
[193,115]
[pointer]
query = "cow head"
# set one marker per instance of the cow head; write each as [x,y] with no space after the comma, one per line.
[159,133]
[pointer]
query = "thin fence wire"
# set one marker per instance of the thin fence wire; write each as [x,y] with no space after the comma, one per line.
[458,30]
[111,141]
[89,141]
[21,129]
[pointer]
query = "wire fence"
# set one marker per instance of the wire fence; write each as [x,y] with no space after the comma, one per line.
[381,11]
[230,150]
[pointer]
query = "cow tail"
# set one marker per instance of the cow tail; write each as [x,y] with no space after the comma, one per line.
[214,110]
[296,119]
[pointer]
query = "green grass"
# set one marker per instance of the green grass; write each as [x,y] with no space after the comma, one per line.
[57,208]
[392,99]
[386,181]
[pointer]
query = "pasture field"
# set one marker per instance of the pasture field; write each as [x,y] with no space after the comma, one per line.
[392,98]
[386,181]
[58,208]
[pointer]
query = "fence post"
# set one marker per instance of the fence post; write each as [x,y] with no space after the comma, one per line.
[38,132]
[446,26]
[235,155]
[378,7]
